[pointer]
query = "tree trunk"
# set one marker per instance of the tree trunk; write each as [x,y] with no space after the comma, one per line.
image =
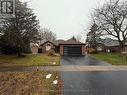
[121,47]
[18,51]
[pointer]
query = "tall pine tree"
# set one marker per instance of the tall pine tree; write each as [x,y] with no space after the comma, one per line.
[22,29]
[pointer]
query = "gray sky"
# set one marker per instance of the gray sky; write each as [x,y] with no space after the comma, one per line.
[64,17]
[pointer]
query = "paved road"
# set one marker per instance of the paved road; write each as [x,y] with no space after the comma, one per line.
[95,83]
[65,60]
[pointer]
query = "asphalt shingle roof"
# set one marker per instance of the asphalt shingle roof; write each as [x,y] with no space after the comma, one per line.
[109,42]
[69,42]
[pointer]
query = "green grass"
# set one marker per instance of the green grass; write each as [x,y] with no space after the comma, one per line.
[29,60]
[112,58]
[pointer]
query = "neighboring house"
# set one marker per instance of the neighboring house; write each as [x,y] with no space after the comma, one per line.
[68,48]
[109,45]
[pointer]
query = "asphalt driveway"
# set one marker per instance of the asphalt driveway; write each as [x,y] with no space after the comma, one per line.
[87,60]
[95,83]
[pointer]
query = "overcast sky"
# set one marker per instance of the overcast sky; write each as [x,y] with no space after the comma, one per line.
[64,17]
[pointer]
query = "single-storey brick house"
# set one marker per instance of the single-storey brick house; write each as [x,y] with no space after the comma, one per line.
[67,48]
[109,45]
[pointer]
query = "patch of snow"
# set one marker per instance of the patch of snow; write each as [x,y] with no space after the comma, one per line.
[37,68]
[54,63]
[48,76]
[57,77]
[55,82]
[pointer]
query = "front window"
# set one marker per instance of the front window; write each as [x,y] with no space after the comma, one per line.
[48,47]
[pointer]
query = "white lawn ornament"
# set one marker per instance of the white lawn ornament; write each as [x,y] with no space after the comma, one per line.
[37,69]
[55,82]
[48,76]
[54,63]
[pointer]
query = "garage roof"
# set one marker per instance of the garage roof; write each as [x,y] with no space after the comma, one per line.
[71,42]
[62,42]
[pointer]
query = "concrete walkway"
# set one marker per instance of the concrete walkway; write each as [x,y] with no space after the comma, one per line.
[65,68]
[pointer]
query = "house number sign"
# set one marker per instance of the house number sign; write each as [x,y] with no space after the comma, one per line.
[7,8]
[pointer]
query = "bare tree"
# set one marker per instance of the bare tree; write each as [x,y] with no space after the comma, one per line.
[78,37]
[46,35]
[112,20]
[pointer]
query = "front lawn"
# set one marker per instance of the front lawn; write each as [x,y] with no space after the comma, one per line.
[29,60]
[30,83]
[112,58]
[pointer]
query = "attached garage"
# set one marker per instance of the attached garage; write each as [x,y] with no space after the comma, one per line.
[72,48]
